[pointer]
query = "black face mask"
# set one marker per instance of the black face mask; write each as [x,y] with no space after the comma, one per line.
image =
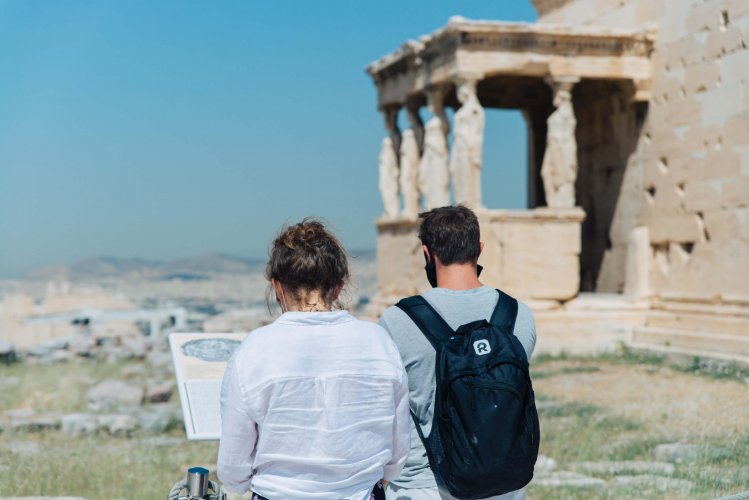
[431,271]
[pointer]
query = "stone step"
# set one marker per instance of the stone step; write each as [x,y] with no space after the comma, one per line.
[694,321]
[693,343]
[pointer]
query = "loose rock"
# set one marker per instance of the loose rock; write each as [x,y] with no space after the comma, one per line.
[159,392]
[118,425]
[688,453]
[626,467]
[652,482]
[112,393]
[7,352]
[60,356]
[82,346]
[134,346]
[544,464]
[46,348]
[19,413]
[134,371]
[35,422]
[159,418]
[561,479]
[160,359]
[79,424]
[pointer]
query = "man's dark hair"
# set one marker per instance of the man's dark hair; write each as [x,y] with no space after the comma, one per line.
[452,234]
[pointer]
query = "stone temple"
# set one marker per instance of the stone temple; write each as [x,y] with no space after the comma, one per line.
[637,116]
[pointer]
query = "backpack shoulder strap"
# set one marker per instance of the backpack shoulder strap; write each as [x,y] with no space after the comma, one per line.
[431,324]
[505,312]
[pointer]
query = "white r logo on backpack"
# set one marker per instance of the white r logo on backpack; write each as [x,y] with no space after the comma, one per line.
[482,347]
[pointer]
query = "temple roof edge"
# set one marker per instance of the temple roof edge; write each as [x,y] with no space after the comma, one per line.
[411,52]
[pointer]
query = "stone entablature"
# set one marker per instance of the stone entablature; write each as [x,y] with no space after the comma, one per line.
[482,49]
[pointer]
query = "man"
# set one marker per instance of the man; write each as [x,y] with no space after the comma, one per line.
[451,242]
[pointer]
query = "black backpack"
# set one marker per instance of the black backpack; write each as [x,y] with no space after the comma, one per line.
[485,435]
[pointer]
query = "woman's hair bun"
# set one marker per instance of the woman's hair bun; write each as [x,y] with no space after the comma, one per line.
[307,234]
[307,257]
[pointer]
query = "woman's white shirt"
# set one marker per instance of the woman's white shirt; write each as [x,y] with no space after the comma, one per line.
[314,406]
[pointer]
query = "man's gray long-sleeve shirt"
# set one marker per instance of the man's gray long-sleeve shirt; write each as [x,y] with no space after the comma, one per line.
[457,307]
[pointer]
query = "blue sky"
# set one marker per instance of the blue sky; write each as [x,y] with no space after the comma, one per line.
[177,128]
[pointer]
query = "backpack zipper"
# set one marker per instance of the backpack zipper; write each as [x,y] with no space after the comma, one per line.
[494,385]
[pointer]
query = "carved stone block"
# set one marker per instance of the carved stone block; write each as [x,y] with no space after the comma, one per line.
[704,17]
[737,9]
[701,196]
[673,227]
[702,77]
[735,193]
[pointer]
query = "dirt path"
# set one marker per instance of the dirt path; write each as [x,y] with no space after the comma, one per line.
[667,402]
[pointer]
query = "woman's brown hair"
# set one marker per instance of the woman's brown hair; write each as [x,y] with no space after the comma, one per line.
[306,258]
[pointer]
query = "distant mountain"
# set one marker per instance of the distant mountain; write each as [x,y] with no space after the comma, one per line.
[194,268]
[215,263]
[113,266]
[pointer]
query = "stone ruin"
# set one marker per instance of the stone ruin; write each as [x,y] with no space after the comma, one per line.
[637,113]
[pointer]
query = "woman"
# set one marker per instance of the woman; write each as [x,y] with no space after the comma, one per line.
[314,405]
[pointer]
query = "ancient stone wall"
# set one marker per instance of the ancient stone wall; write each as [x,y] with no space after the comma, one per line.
[531,254]
[690,170]
[608,129]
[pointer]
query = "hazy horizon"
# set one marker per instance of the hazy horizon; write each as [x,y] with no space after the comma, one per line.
[170,130]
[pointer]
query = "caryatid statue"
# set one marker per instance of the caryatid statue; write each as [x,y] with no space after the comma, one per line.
[559,168]
[389,178]
[434,178]
[465,160]
[409,173]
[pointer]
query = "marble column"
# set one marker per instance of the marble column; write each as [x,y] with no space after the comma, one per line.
[559,168]
[434,177]
[468,145]
[390,115]
[410,156]
[388,162]
[414,119]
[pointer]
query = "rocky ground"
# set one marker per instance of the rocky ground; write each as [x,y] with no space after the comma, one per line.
[104,422]
[633,426]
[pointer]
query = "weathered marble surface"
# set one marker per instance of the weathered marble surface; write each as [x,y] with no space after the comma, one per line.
[434,178]
[559,169]
[409,173]
[468,146]
[389,178]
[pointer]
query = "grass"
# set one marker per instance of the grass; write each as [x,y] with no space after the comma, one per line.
[574,431]
[53,387]
[712,368]
[99,467]
[103,467]
[96,467]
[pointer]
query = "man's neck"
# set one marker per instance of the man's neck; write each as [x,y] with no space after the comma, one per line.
[458,277]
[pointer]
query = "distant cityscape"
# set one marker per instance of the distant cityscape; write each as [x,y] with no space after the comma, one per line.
[221,293]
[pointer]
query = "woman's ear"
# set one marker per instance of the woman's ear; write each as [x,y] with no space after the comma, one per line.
[276,288]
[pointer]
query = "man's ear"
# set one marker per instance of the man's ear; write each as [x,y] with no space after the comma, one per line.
[481,247]
[426,253]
